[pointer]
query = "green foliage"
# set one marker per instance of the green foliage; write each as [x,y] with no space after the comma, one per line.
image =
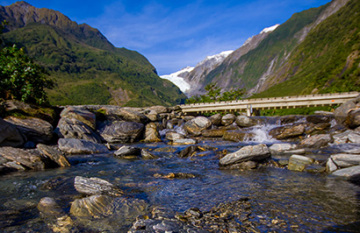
[296,111]
[247,70]
[79,58]
[214,94]
[21,78]
[327,61]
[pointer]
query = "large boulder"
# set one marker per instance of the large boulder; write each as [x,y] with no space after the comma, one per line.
[10,135]
[197,125]
[122,131]
[126,151]
[35,129]
[29,159]
[316,141]
[289,131]
[172,136]
[352,120]
[247,153]
[317,119]
[215,119]
[342,111]
[74,128]
[245,121]
[228,119]
[83,115]
[152,133]
[79,146]
[236,135]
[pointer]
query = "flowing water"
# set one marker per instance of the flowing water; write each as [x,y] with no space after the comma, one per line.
[305,202]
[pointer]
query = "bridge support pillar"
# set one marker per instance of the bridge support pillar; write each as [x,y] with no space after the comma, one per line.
[249,110]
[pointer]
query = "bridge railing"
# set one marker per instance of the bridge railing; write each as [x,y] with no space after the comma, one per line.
[270,103]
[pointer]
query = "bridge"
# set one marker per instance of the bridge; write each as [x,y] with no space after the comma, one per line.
[250,105]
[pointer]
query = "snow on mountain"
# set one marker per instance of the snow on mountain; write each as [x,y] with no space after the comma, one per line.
[270,29]
[217,58]
[177,78]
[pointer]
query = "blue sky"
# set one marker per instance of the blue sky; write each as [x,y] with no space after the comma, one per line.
[174,34]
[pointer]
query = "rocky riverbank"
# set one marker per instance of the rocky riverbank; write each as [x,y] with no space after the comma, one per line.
[47,141]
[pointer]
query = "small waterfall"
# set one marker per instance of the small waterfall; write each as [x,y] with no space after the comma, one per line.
[260,133]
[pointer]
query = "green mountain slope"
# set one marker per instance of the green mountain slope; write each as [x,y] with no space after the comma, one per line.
[268,55]
[328,60]
[86,66]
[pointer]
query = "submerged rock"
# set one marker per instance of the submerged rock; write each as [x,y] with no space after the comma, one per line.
[299,162]
[78,146]
[95,186]
[95,206]
[247,153]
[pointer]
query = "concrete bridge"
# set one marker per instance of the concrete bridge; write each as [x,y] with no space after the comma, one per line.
[251,105]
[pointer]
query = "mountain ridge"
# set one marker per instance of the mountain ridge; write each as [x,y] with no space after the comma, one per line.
[86,66]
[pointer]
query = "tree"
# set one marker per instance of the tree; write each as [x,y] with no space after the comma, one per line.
[214,94]
[21,78]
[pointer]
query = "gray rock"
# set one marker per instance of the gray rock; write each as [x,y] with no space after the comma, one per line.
[128,151]
[196,125]
[172,136]
[316,119]
[128,114]
[330,166]
[30,159]
[248,165]
[353,119]
[342,111]
[299,162]
[122,132]
[247,153]
[10,135]
[281,147]
[35,129]
[285,132]
[215,119]
[228,119]
[73,128]
[316,141]
[147,155]
[95,186]
[79,146]
[349,136]
[245,121]
[345,160]
[54,154]
[152,133]
[350,172]
[236,135]
[82,115]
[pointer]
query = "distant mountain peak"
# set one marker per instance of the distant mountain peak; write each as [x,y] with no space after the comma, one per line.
[270,29]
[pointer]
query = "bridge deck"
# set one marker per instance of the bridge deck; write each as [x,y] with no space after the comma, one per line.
[271,103]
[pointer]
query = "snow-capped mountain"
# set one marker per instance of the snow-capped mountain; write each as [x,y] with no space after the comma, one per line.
[191,80]
[178,78]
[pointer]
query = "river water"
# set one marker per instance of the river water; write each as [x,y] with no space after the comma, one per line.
[304,202]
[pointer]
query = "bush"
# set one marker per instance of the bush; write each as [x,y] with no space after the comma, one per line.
[22,79]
